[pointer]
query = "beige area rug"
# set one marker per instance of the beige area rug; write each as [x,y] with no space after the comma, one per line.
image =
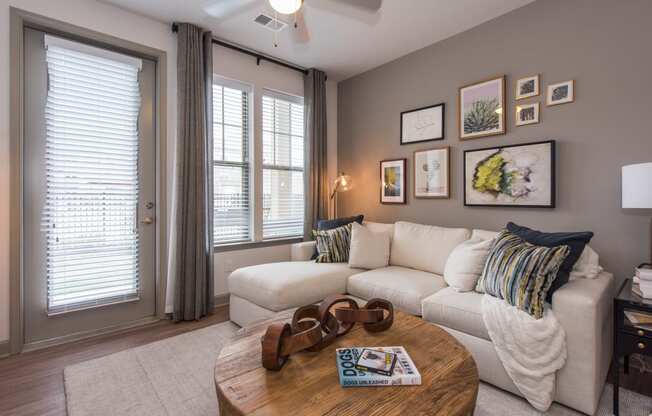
[174,377]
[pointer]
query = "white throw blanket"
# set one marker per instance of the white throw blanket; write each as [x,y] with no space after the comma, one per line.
[531,350]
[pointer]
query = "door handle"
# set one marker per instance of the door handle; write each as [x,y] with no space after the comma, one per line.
[147,220]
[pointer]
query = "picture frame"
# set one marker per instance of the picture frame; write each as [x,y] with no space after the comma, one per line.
[423,124]
[531,167]
[431,173]
[527,114]
[481,109]
[527,87]
[393,181]
[560,93]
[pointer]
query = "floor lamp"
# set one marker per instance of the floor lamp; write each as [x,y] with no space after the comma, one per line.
[637,188]
[342,183]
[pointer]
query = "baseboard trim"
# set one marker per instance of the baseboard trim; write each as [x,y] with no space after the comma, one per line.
[4,349]
[222,300]
[78,336]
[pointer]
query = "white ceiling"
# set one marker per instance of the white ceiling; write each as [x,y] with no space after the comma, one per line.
[342,40]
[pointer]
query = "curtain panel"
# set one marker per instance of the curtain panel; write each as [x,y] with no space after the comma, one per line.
[316,165]
[193,237]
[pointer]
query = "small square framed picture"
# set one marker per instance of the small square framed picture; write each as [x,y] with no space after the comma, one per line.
[527,114]
[432,173]
[393,181]
[561,93]
[527,87]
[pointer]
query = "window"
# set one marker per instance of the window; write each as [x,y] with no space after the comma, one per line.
[231,168]
[283,176]
[91,158]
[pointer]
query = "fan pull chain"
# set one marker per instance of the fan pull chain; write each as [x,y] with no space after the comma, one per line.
[276,32]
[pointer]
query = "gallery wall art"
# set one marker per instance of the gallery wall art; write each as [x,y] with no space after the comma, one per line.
[481,109]
[432,173]
[393,181]
[527,87]
[520,175]
[527,114]
[423,124]
[561,93]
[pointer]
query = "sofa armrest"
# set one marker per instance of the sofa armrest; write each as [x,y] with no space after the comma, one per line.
[584,308]
[302,251]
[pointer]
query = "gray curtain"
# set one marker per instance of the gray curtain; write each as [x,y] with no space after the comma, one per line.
[316,191]
[194,296]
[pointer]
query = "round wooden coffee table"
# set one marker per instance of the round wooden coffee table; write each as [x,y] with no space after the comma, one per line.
[308,384]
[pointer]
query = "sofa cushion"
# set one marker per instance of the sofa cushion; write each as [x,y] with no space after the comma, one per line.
[405,288]
[369,250]
[461,311]
[424,247]
[465,263]
[280,286]
[379,227]
[484,234]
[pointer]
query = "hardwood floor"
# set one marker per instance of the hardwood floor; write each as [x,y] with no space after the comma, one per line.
[32,383]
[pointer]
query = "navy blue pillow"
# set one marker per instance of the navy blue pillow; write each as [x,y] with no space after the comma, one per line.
[576,241]
[323,225]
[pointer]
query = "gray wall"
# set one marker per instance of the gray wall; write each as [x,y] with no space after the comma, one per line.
[605,45]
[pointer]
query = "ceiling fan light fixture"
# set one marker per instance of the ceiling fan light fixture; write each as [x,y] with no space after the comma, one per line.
[286,6]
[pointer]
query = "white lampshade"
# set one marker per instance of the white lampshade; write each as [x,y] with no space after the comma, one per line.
[637,186]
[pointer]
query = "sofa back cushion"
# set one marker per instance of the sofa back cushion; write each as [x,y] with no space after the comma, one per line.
[424,247]
[484,234]
[369,250]
[380,227]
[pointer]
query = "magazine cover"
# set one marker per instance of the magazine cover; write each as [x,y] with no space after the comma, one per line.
[375,361]
[405,372]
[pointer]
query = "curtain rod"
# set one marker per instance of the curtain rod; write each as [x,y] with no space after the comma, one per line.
[259,57]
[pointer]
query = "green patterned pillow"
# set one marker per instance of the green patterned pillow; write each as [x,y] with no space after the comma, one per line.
[333,245]
[521,273]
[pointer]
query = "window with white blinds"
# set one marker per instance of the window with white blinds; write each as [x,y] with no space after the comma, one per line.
[91,157]
[283,176]
[231,127]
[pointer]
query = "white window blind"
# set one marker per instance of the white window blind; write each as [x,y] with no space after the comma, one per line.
[90,217]
[231,117]
[283,176]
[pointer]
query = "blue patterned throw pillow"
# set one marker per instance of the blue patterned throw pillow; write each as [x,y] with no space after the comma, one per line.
[333,246]
[521,273]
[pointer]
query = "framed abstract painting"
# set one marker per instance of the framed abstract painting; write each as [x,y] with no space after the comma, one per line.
[521,175]
[432,173]
[481,109]
[393,181]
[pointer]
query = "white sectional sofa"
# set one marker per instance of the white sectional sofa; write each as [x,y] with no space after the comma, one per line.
[413,282]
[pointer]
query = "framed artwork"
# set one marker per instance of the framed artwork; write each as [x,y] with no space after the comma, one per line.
[432,173]
[527,87]
[393,181]
[527,114]
[481,109]
[423,124]
[561,93]
[521,175]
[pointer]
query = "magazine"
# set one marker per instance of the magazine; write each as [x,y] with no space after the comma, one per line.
[405,372]
[375,361]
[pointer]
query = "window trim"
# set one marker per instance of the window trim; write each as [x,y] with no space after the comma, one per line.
[249,89]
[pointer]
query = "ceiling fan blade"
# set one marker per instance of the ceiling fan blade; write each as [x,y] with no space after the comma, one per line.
[299,28]
[223,9]
[367,5]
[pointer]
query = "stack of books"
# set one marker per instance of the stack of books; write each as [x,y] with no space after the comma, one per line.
[376,366]
[643,282]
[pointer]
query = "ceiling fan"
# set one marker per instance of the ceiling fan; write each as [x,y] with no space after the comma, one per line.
[293,10]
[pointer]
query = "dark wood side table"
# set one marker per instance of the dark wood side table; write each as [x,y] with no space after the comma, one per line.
[628,339]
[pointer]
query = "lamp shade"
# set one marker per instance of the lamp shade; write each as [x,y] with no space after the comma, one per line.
[343,183]
[637,186]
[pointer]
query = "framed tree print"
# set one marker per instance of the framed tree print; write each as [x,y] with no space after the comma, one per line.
[423,124]
[481,109]
[521,175]
[393,181]
[432,173]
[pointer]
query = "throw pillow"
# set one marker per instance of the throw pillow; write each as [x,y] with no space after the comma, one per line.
[574,240]
[333,245]
[587,266]
[369,250]
[465,264]
[521,273]
[323,225]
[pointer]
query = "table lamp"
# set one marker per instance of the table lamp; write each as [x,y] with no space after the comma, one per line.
[342,183]
[637,188]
